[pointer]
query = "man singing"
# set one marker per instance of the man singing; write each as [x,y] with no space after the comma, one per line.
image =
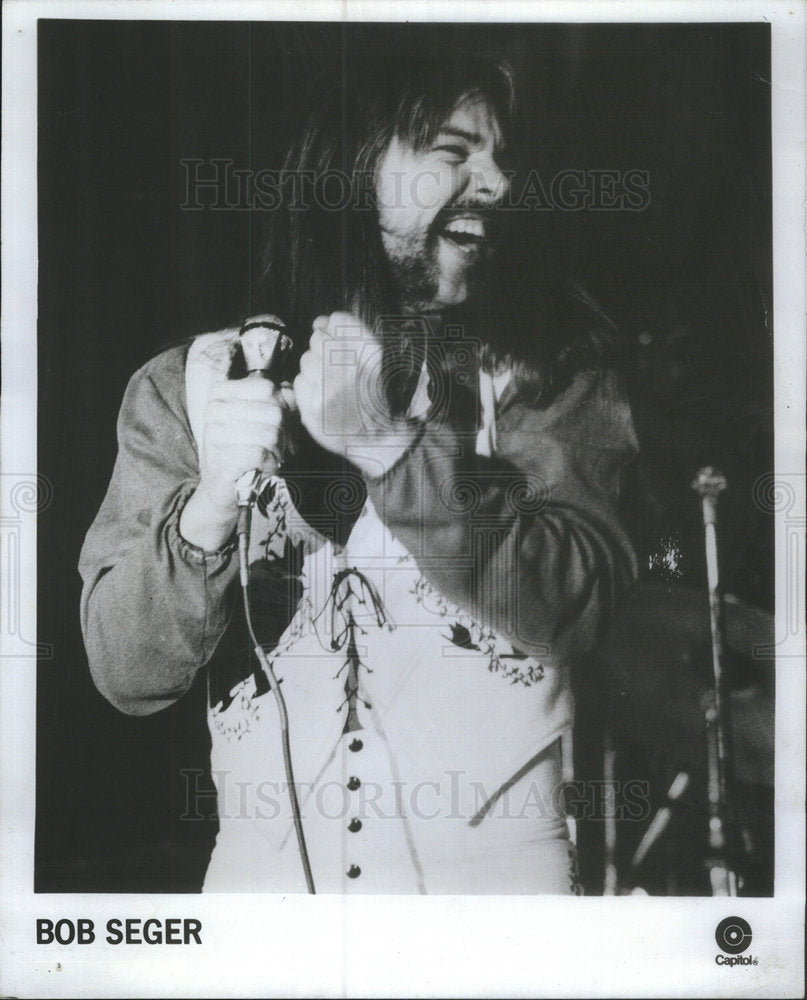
[434,538]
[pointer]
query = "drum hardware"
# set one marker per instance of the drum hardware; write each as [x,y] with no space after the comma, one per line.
[709,484]
[714,726]
[651,838]
[722,878]
[611,878]
[660,821]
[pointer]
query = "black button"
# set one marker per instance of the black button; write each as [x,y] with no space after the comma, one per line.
[354,825]
[355,746]
[354,871]
[353,783]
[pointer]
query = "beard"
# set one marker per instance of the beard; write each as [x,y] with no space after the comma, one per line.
[426,277]
[415,270]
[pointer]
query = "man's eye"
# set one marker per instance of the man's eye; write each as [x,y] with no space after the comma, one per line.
[459,152]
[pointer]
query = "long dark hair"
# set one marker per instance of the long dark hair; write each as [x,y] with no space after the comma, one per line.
[320,259]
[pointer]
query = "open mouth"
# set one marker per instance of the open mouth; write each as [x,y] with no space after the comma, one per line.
[467,232]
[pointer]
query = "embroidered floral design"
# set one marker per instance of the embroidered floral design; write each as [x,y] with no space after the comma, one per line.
[273,505]
[470,635]
[246,713]
[461,637]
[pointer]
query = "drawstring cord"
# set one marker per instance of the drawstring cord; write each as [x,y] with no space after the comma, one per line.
[351,587]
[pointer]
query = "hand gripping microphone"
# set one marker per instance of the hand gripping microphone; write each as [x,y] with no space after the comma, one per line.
[265,347]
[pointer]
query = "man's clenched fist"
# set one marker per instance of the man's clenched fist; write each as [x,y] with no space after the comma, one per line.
[341,397]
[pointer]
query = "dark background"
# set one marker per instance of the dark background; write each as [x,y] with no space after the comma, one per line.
[124,270]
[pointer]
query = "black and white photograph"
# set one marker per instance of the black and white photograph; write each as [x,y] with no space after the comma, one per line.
[418,502]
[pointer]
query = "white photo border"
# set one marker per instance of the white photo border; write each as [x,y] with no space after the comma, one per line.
[396,946]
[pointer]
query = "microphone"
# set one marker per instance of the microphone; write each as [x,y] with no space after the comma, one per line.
[265,347]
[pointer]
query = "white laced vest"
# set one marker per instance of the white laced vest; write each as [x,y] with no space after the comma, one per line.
[428,753]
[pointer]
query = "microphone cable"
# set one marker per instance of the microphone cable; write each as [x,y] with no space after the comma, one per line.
[243,529]
[264,345]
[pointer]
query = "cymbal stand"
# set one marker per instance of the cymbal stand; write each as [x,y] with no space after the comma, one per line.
[611,876]
[709,484]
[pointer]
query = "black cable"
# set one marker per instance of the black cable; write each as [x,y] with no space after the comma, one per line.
[244,522]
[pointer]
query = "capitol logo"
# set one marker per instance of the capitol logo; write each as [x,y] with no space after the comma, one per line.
[733,936]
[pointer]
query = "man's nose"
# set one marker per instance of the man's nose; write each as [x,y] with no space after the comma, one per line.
[489,182]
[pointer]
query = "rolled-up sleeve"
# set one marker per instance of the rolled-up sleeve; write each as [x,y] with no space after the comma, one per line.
[153,606]
[530,540]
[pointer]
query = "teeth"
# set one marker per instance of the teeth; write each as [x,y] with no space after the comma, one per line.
[470,227]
